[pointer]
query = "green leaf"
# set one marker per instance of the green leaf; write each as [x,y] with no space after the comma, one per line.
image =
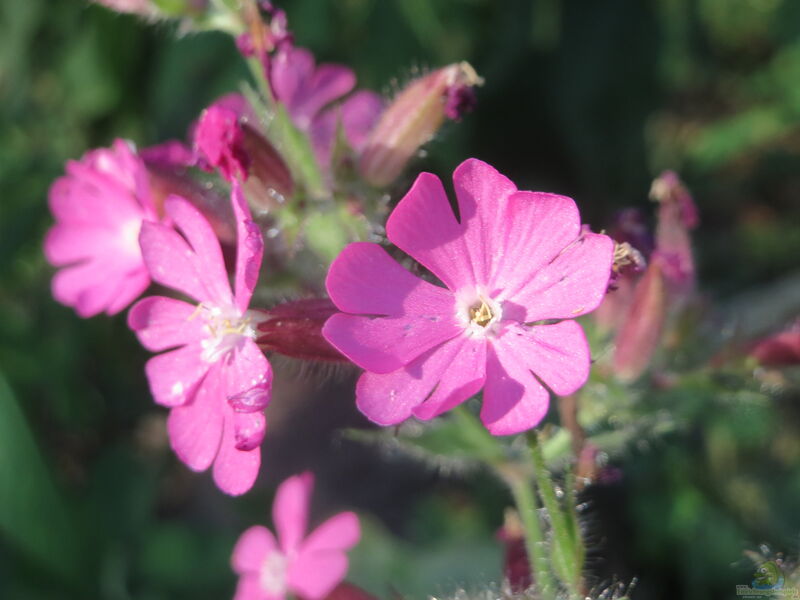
[33,515]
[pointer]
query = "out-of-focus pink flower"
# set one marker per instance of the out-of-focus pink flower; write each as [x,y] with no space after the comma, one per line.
[780,349]
[413,117]
[513,258]
[305,565]
[214,378]
[304,87]
[308,91]
[357,116]
[99,207]
[144,8]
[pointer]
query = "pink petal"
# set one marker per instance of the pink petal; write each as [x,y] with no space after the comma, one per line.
[249,249]
[249,588]
[557,354]
[364,279]
[359,113]
[171,262]
[573,284]
[290,510]
[195,429]
[340,532]
[200,235]
[535,226]
[235,470]
[314,575]
[330,82]
[130,288]
[483,195]
[385,344]
[513,399]
[162,323]
[175,375]
[247,368]
[70,243]
[94,286]
[249,429]
[423,225]
[251,549]
[290,71]
[454,388]
[390,399]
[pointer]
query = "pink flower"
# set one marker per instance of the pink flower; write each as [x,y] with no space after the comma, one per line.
[99,207]
[512,260]
[357,115]
[307,90]
[307,567]
[215,380]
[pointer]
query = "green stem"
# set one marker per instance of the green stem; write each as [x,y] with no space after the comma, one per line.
[566,550]
[525,498]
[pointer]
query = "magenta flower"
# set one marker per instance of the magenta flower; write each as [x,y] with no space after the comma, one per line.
[308,90]
[219,139]
[310,566]
[215,380]
[305,88]
[99,207]
[513,260]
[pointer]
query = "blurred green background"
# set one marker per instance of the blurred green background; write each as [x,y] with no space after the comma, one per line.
[589,99]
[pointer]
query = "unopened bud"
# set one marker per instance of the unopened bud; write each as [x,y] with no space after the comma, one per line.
[640,334]
[780,349]
[413,118]
[227,141]
[295,329]
[677,215]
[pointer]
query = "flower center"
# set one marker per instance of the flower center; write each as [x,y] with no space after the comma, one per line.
[273,574]
[227,328]
[480,313]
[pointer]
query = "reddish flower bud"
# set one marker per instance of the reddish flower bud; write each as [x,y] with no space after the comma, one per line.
[348,591]
[414,117]
[516,566]
[781,349]
[295,329]
[641,332]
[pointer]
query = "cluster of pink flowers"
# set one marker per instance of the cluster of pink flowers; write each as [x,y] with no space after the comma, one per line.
[516,268]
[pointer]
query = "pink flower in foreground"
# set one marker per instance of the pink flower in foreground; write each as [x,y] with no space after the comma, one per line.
[512,260]
[310,566]
[99,206]
[216,381]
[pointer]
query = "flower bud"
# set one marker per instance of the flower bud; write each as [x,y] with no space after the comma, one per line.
[414,116]
[295,329]
[780,349]
[677,215]
[641,332]
[226,139]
